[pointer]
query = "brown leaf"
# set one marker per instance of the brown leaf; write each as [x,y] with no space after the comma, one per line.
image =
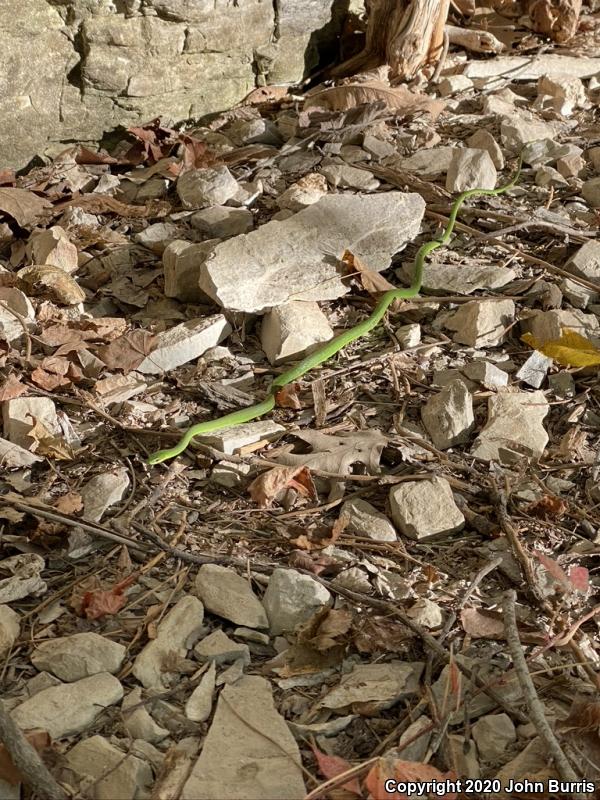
[547,507]
[128,351]
[325,629]
[52,282]
[583,716]
[99,602]
[372,282]
[380,635]
[22,205]
[398,98]
[38,738]
[287,397]
[69,503]
[264,489]
[555,570]
[317,563]
[47,381]
[336,454]
[11,388]
[332,766]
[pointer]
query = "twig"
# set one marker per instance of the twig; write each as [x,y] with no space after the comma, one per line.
[534,705]
[26,759]
[442,60]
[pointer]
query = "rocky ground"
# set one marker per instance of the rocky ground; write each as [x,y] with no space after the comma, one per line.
[392,575]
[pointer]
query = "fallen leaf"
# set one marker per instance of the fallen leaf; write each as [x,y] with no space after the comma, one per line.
[324,628]
[38,738]
[48,381]
[264,489]
[583,716]
[100,602]
[317,563]
[380,635]
[547,507]
[336,454]
[22,205]
[11,388]
[398,98]
[128,351]
[372,282]
[287,397]
[332,766]
[69,503]
[579,578]
[481,624]
[571,350]
[555,570]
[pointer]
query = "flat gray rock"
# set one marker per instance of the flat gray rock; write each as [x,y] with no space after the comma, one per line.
[249,752]
[297,258]
[71,658]
[423,509]
[292,598]
[522,68]
[460,278]
[514,427]
[230,596]
[69,708]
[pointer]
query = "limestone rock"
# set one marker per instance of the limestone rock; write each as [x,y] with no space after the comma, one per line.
[292,259]
[534,370]
[548,176]
[183,262]
[460,278]
[454,84]
[346,176]
[586,261]
[516,132]
[248,751]
[550,64]
[72,658]
[426,613]
[292,330]
[448,415]
[10,629]
[103,491]
[218,647]
[591,192]
[12,456]
[11,328]
[185,342]
[292,598]
[200,702]
[230,596]
[182,624]
[493,734]
[115,773]
[429,163]
[461,755]
[52,246]
[221,222]
[157,237]
[423,509]
[514,427]
[545,326]
[482,323]
[365,520]
[305,192]
[69,708]
[488,375]
[546,151]
[563,94]
[137,721]
[212,186]
[470,169]
[409,335]
[483,140]
[378,685]
[20,415]
[228,440]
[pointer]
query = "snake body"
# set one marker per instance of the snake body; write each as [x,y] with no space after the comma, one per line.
[336,344]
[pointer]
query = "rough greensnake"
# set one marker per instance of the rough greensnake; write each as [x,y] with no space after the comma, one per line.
[336,344]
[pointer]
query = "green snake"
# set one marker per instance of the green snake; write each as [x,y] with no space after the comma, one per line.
[336,344]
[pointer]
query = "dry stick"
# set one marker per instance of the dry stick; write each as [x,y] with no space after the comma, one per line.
[534,705]
[26,759]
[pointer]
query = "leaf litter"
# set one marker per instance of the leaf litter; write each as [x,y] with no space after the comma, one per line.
[354,607]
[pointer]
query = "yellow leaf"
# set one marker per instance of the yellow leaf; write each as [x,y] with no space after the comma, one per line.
[571,350]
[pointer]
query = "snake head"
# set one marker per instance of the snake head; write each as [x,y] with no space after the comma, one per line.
[158,457]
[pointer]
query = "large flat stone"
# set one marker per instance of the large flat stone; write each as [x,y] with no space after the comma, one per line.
[530,69]
[249,752]
[297,258]
[184,343]
[514,428]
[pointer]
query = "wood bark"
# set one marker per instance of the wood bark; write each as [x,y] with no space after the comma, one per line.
[404,34]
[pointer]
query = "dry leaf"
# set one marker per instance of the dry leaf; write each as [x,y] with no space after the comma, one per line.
[52,282]
[577,579]
[36,737]
[287,397]
[128,351]
[571,350]
[48,381]
[22,205]
[482,625]
[336,454]
[316,563]
[413,772]
[332,766]
[547,507]
[324,628]
[398,98]
[583,716]
[100,602]
[372,282]
[11,388]
[264,489]
[69,503]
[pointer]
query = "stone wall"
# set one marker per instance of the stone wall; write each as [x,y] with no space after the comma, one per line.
[74,70]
